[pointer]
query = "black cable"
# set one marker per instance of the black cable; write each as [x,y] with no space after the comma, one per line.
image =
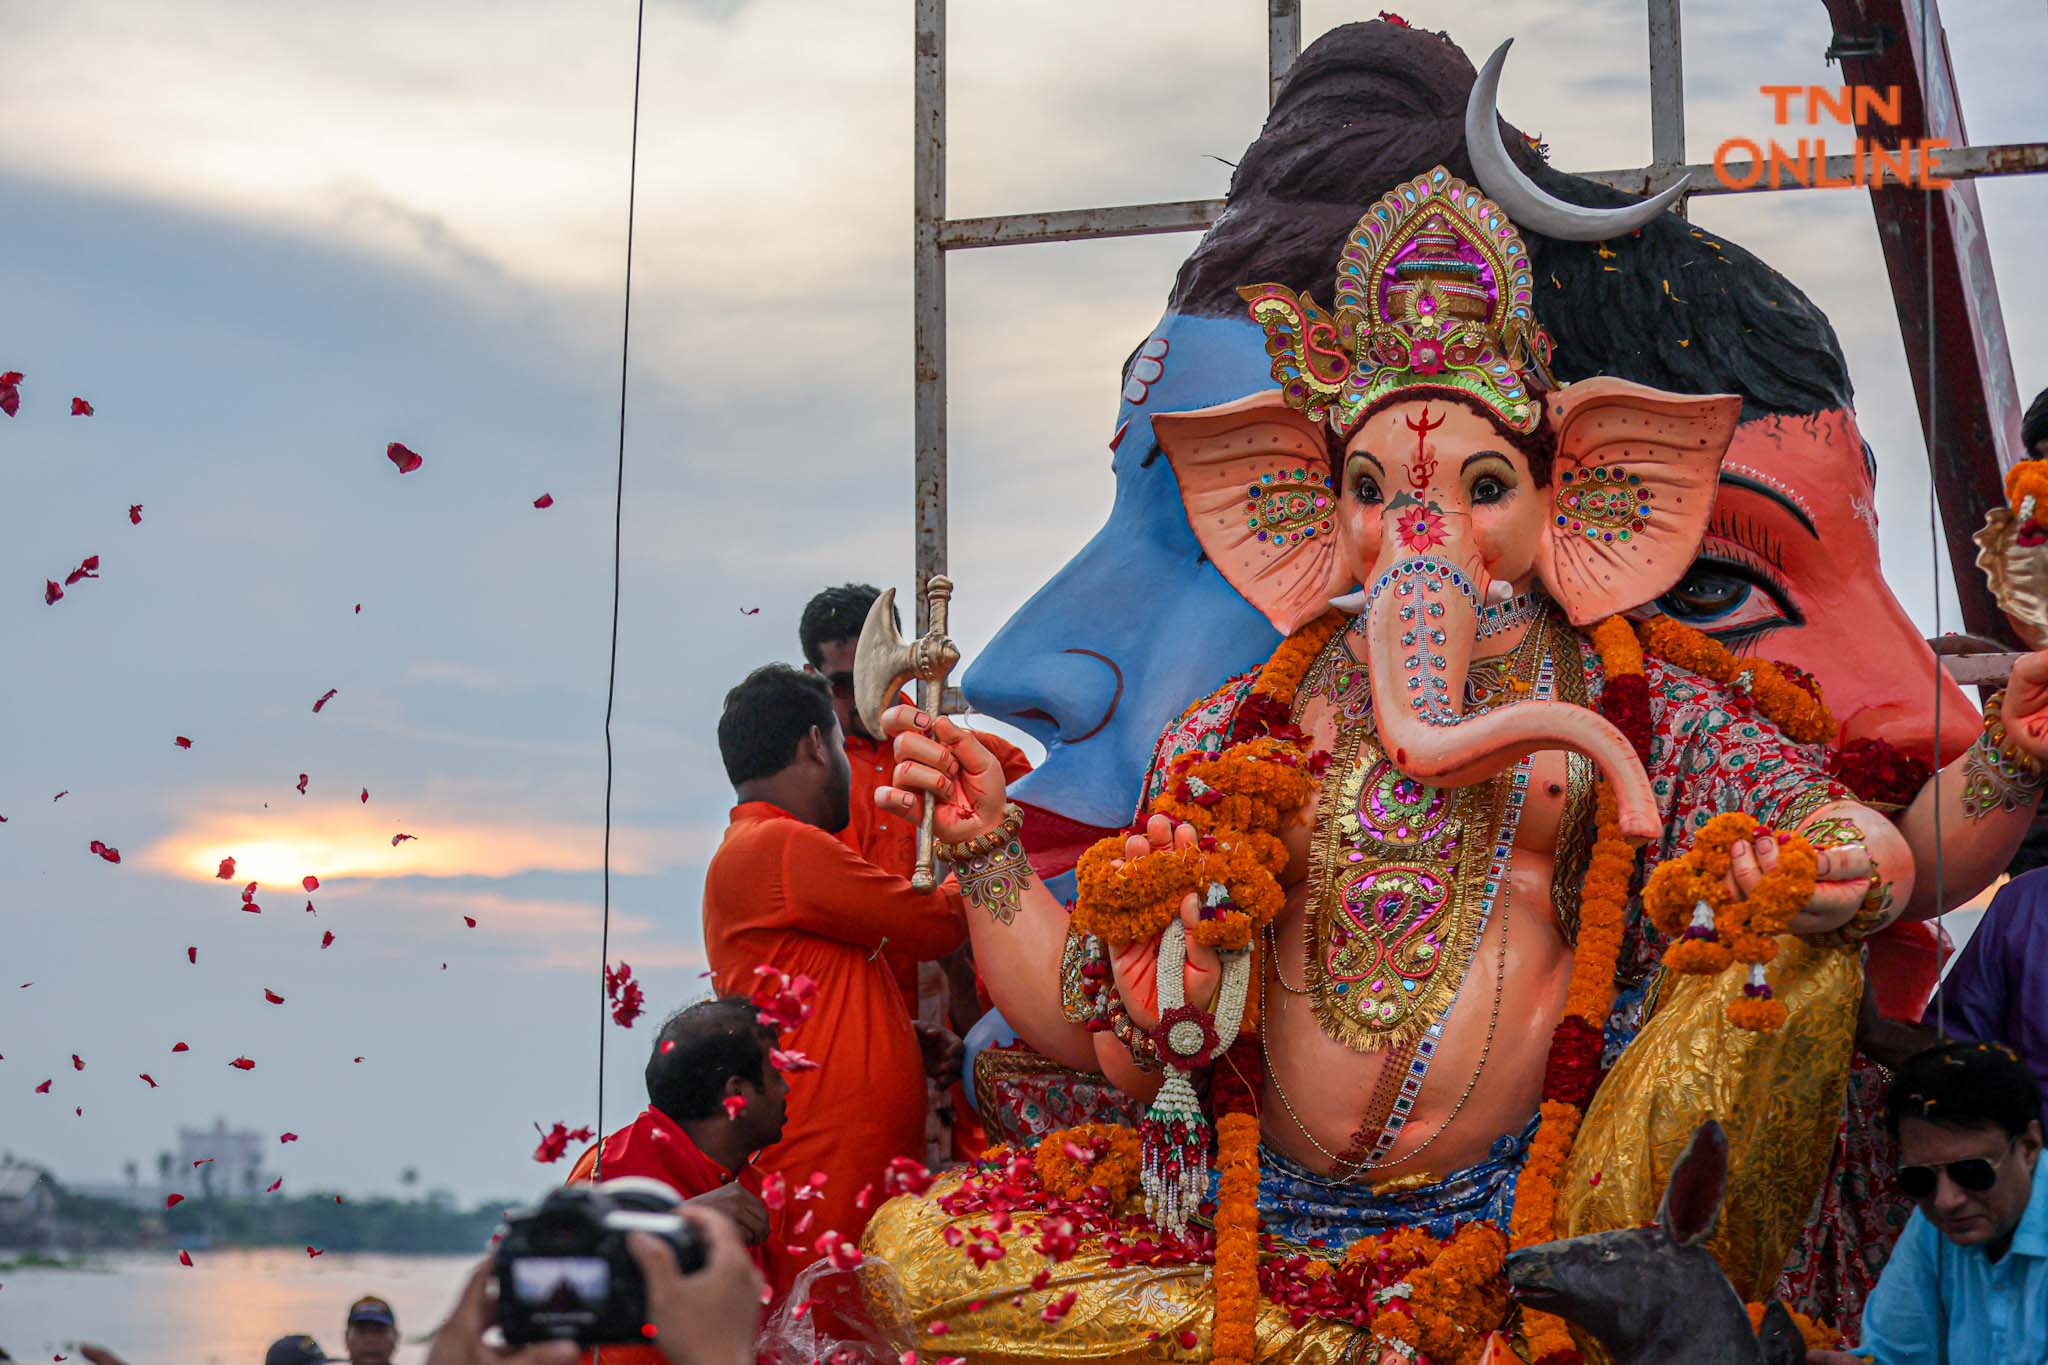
[611,682]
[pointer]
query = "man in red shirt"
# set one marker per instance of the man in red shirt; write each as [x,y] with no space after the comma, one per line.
[784,893]
[714,1099]
[943,992]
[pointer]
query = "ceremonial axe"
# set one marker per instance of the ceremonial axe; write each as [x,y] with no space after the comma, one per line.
[883,661]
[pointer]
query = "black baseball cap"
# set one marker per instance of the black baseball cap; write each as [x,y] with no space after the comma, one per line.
[295,1350]
[370,1308]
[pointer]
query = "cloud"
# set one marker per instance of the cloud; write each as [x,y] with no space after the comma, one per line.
[280,847]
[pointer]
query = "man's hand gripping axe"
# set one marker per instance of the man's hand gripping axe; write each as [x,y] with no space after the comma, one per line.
[883,661]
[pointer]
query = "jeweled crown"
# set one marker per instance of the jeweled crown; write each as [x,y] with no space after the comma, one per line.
[1433,293]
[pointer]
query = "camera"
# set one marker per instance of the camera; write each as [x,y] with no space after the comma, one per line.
[564,1272]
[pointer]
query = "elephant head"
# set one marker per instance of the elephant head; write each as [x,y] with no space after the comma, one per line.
[1441,512]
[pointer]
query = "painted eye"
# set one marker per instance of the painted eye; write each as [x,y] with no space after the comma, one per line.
[1729,600]
[1487,490]
[1367,490]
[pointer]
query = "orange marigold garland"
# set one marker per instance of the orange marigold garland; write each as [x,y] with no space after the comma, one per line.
[1572,1071]
[1236,800]
[1689,900]
[1625,696]
[1073,1160]
[1800,713]
[1233,1336]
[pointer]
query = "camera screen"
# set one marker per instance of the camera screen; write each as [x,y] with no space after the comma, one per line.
[561,1284]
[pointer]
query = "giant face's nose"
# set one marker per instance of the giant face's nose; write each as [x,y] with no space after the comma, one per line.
[1069,694]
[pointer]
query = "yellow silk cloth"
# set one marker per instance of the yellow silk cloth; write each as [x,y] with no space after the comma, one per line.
[1130,1315]
[1778,1095]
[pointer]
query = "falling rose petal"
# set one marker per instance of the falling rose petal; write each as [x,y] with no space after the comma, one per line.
[734,1104]
[359,1061]
[44,1088]
[81,408]
[249,891]
[274,1186]
[287,1137]
[272,996]
[1059,1307]
[243,1063]
[398,839]
[366,796]
[470,920]
[227,870]
[324,698]
[180,1047]
[251,908]
[790,1061]
[87,568]
[406,460]
[203,1161]
[80,1112]
[10,392]
[326,939]
[184,1258]
[182,742]
[106,851]
[774,1190]
[77,1062]
[302,784]
[173,1200]
[147,1077]
[52,594]
[627,998]
[62,794]
[311,1251]
[135,514]
[750,611]
[310,910]
[554,1143]
[544,501]
[310,883]
[359,609]
[192,955]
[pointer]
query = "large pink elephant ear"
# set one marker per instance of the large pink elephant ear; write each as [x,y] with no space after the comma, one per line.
[1631,490]
[1255,479]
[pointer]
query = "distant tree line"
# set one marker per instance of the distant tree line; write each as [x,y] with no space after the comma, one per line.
[325,1221]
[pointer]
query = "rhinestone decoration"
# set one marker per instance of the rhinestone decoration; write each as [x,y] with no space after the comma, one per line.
[1289,506]
[1602,504]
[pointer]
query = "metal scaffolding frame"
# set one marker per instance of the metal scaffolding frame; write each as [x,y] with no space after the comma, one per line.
[1872,39]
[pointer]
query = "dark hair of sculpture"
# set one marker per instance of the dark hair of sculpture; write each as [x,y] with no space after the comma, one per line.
[1675,307]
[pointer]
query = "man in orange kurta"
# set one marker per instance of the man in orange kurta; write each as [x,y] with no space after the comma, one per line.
[783,892]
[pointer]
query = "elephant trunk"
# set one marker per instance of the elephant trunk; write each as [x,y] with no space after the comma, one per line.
[1422,618]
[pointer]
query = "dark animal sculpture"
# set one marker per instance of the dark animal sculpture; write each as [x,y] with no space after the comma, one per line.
[1654,1295]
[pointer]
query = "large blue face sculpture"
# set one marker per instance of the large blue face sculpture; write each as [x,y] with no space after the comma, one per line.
[1138,624]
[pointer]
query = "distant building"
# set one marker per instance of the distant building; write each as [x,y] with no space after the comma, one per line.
[28,1207]
[235,1168]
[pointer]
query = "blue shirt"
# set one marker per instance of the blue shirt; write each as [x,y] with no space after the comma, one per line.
[1941,1304]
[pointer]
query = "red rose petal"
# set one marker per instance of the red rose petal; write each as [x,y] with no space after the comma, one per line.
[325,697]
[173,1200]
[310,883]
[326,939]
[359,1060]
[242,1064]
[184,1258]
[44,1088]
[77,1062]
[180,1047]
[106,851]
[311,1252]
[734,1104]
[192,955]
[470,920]
[398,839]
[366,796]
[80,408]
[287,1137]
[406,460]
[302,784]
[182,742]
[227,870]
[249,892]
[203,1161]
[135,514]
[274,1186]
[51,592]
[544,501]
[272,996]
[144,1075]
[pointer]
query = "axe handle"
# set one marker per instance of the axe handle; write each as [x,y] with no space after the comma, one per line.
[923,877]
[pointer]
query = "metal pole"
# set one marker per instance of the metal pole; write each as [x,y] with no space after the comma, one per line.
[928,291]
[1283,43]
[1667,90]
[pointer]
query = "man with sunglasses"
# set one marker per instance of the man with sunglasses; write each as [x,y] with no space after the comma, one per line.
[1968,1280]
[938,993]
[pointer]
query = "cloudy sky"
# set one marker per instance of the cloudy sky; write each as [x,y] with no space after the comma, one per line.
[265,241]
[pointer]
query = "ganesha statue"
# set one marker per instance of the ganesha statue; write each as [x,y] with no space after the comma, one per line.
[1359,960]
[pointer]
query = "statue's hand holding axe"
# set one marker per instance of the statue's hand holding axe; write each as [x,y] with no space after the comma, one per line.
[944,777]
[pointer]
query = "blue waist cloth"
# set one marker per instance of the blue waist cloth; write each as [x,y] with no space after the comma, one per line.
[1299,1207]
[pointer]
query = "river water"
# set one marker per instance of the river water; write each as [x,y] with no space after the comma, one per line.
[225,1310]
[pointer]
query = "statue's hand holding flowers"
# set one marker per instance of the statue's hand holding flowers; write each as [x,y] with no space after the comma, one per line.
[1136,965]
